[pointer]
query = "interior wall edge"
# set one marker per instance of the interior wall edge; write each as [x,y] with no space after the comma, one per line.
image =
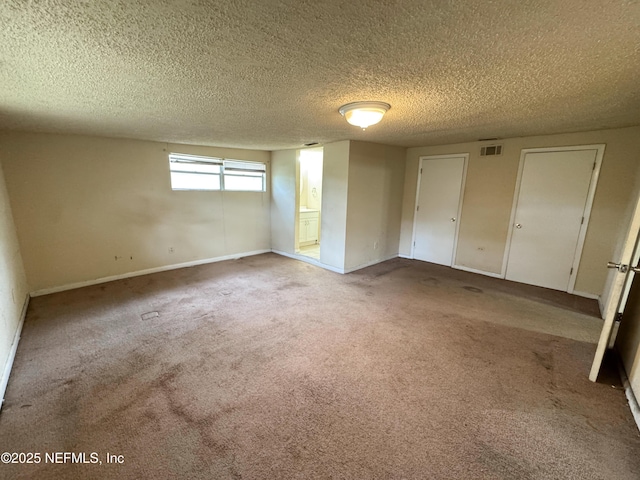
[282,212]
[332,268]
[310,260]
[628,391]
[368,264]
[374,203]
[589,295]
[601,305]
[6,372]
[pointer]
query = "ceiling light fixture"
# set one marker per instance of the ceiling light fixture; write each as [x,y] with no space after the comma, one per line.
[364,114]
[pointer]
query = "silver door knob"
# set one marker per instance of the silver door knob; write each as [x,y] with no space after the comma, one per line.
[635,269]
[621,267]
[453,219]
[518,225]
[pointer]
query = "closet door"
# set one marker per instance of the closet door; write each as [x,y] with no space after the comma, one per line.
[438,203]
[549,217]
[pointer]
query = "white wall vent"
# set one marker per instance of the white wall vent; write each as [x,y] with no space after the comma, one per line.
[491,150]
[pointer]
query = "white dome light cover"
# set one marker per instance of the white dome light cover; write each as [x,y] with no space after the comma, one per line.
[364,114]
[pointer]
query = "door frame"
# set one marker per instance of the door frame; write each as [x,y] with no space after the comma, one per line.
[423,158]
[620,287]
[593,183]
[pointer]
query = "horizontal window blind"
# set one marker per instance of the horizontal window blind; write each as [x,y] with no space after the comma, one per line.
[192,172]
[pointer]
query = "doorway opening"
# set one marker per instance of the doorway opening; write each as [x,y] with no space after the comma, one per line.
[309,202]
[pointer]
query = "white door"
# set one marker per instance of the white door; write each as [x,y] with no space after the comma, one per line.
[620,286]
[549,216]
[438,203]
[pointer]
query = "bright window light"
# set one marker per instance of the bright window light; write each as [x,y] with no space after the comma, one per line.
[190,172]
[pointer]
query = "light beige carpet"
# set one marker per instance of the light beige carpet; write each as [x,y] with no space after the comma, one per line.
[270,368]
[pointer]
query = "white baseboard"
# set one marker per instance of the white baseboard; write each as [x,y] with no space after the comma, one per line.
[310,260]
[480,272]
[499,275]
[368,264]
[71,286]
[631,398]
[402,255]
[315,262]
[592,296]
[12,353]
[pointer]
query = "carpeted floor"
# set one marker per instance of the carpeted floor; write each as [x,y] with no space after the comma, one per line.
[270,368]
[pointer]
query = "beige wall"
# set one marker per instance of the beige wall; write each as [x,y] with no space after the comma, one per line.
[283,201]
[488,198]
[79,202]
[374,203]
[361,203]
[13,284]
[335,184]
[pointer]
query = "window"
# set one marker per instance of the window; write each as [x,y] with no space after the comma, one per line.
[249,176]
[195,173]
[190,172]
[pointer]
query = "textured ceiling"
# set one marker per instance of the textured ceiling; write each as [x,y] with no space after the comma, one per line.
[271,74]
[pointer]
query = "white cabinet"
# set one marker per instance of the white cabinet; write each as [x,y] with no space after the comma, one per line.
[308,231]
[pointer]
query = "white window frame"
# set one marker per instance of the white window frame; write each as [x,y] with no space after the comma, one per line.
[227,167]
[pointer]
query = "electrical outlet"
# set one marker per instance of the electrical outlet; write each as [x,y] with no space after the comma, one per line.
[171,250]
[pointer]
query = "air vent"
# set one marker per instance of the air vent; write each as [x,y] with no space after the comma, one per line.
[491,150]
